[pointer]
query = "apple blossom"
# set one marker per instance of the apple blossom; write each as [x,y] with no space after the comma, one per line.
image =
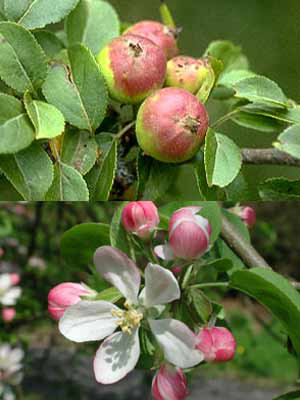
[140,218]
[10,369]
[8,314]
[169,383]
[9,293]
[65,295]
[216,343]
[248,215]
[97,320]
[161,35]
[189,235]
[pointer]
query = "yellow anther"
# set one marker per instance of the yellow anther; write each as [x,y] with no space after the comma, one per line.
[127,319]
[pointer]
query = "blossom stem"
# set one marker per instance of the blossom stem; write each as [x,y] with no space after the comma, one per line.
[209,284]
[225,118]
[125,129]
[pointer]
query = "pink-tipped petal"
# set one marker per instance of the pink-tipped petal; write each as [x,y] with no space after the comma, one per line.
[119,270]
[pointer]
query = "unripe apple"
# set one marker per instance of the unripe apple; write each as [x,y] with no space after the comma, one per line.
[171,125]
[133,67]
[187,73]
[160,34]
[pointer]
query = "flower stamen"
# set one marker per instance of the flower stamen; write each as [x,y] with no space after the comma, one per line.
[129,319]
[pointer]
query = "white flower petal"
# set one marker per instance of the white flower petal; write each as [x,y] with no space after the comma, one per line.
[5,281]
[16,355]
[177,341]
[119,270]
[116,357]
[161,286]
[10,297]
[88,321]
[164,252]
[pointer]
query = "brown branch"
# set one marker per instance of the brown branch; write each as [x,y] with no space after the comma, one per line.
[269,156]
[241,247]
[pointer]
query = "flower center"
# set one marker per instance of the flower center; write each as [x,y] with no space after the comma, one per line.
[128,319]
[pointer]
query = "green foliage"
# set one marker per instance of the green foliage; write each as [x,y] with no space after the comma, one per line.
[289,396]
[289,141]
[280,189]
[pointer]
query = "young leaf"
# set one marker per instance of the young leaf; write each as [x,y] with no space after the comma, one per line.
[47,119]
[207,86]
[16,131]
[49,42]
[23,63]
[200,303]
[68,185]
[290,115]
[261,90]
[30,171]
[276,294]
[257,122]
[209,210]
[79,150]
[230,54]
[232,77]
[101,177]
[154,178]
[118,235]
[223,159]
[82,96]
[289,141]
[110,294]
[280,189]
[92,23]
[34,14]
[79,243]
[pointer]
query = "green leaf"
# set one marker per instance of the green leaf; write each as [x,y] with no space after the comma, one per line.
[93,23]
[290,115]
[111,295]
[276,294]
[280,189]
[209,210]
[49,42]
[230,54]
[289,141]
[207,86]
[23,63]
[100,179]
[257,122]
[79,150]
[79,93]
[223,159]
[79,243]
[68,185]
[290,396]
[47,119]
[232,77]
[30,171]
[206,192]
[154,178]
[146,360]
[8,192]
[34,14]
[239,190]
[200,304]
[261,90]
[118,235]
[220,265]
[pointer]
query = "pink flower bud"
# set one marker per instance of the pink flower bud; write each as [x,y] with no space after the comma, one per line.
[8,314]
[63,296]
[169,383]
[140,218]
[177,270]
[189,233]
[15,278]
[217,344]
[248,215]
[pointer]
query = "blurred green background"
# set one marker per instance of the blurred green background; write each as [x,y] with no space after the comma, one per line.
[268,31]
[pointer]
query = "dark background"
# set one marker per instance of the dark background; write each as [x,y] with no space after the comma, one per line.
[268,31]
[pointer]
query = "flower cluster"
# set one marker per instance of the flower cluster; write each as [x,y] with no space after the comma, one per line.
[147,303]
[9,294]
[10,370]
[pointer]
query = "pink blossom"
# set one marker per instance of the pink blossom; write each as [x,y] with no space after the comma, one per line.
[177,269]
[169,383]
[217,344]
[189,233]
[15,278]
[8,314]
[63,296]
[248,215]
[140,218]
